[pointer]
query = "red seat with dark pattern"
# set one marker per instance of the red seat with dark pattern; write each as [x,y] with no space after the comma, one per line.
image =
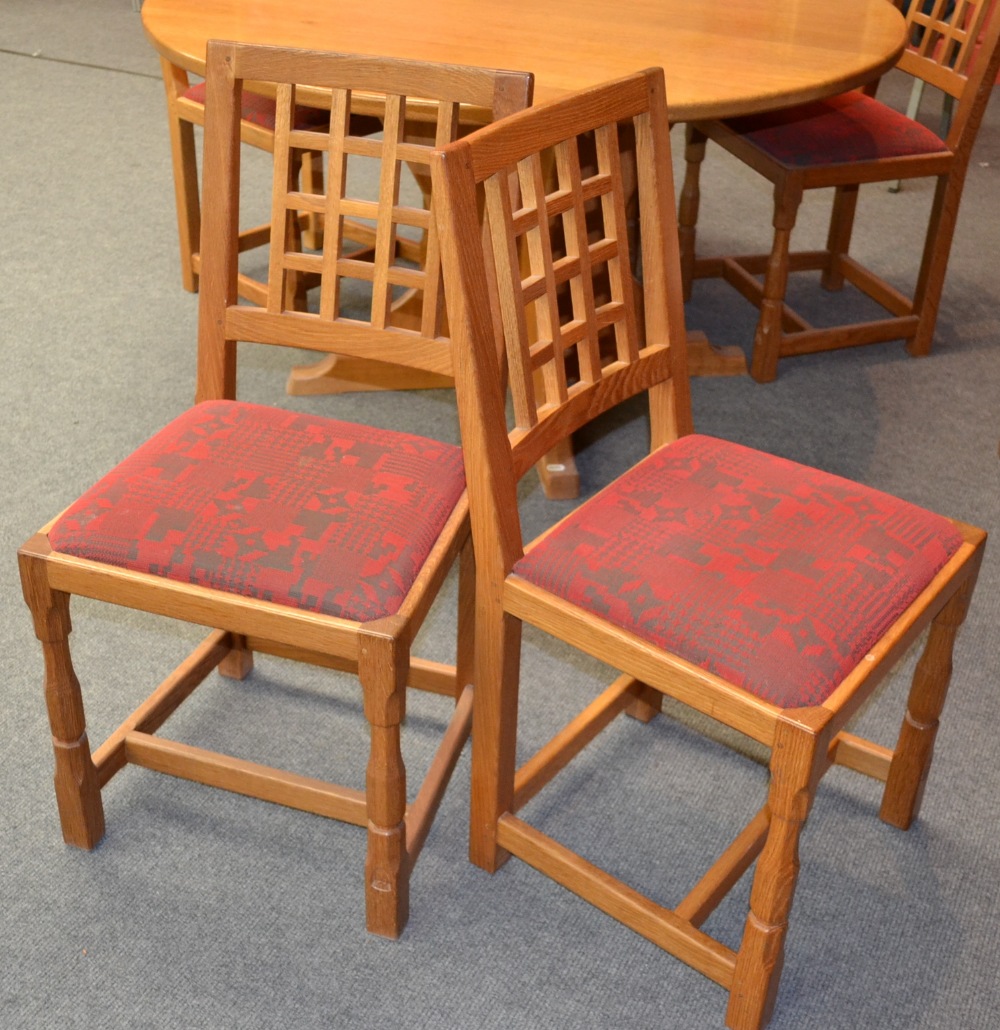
[310,512]
[772,575]
[845,129]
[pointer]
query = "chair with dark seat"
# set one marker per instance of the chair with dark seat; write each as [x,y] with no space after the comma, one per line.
[843,143]
[770,597]
[305,537]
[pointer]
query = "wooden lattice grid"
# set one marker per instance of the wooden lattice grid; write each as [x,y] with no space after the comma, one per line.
[572,310]
[402,255]
[946,30]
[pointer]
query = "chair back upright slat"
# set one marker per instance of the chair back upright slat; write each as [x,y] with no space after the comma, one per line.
[377,276]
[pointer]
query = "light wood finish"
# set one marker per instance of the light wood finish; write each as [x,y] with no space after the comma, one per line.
[183,114]
[488,289]
[377,651]
[941,58]
[722,57]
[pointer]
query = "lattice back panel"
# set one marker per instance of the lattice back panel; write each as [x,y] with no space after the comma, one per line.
[369,236]
[945,31]
[560,243]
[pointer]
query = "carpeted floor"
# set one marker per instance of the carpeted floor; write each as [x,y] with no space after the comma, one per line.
[201,909]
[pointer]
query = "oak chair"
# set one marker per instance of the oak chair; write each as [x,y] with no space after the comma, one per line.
[766,595]
[299,536]
[843,143]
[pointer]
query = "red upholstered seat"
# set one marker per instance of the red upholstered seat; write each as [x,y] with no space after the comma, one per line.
[845,129]
[260,110]
[309,512]
[772,575]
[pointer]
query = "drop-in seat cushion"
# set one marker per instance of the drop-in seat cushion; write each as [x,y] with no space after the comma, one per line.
[261,110]
[309,512]
[845,129]
[777,577]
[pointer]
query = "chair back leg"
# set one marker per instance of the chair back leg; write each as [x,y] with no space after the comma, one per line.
[768,337]
[183,157]
[911,761]
[934,263]
[838,241]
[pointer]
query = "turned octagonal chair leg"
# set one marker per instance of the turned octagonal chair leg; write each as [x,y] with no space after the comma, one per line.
[382,667]
[687,210]
[78,789]
[768,337]
[798,759]
[911,760]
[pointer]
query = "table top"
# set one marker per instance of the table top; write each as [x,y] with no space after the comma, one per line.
[721,57]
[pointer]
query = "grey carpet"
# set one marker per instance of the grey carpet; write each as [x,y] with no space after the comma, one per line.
[201,909]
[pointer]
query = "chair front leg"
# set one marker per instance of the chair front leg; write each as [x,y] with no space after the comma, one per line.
[78,789]
[494,728]
[798,760]
[383,664]
[911,761]
[690,199]
[768,337]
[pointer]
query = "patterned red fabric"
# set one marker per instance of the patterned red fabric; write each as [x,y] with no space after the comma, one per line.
[304,511]
[260,110]
[845,129]
[777,577]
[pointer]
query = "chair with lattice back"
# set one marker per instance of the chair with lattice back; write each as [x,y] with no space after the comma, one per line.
[769,596]
[843,143]
[306,537]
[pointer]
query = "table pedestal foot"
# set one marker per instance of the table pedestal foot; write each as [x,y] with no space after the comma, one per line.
[558,473]
[339,374]
[706,359]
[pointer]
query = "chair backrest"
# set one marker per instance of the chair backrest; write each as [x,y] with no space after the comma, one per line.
[955,46]
[548,283]
[420,106]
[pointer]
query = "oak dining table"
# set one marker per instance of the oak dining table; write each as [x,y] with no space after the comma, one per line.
[721,58]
